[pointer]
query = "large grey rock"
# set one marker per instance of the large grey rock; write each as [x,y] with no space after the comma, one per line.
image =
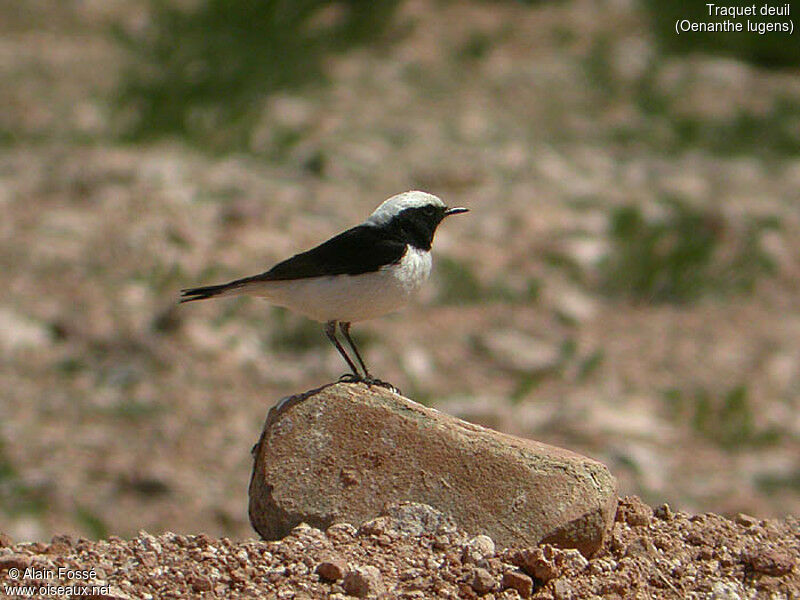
[344,451]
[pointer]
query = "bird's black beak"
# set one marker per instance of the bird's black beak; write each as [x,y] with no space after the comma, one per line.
[455,211]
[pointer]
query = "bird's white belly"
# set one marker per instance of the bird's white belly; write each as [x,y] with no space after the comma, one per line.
[352,297]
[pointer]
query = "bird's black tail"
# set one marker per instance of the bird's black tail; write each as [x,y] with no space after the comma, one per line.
[209,291]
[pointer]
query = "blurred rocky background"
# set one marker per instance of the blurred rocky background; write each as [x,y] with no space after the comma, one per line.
[626,284]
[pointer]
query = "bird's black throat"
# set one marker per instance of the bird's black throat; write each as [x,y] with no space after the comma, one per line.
[416,226]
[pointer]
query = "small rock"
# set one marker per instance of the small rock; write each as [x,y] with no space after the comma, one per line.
[518,581]
[663,512]
[238,576]
[415,519]
[113,593]
[376,526]
[148,559]
[482,581]
[201,583]
[350,477]
[546,562]
[440,542]
[745,520]
[640,547]
[305,531]
[331,570]
[602,565]
[15,561]
[572,561]
[724,590]
[562,590]
[150,543]
[697,538]
[477,549]
[5,540]
[64,540]
[769,562]
[341,532]
[634,512]
[363,581]
[537,562]
[705,552]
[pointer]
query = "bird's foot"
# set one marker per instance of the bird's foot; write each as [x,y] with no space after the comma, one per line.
[351,378]
[369,380]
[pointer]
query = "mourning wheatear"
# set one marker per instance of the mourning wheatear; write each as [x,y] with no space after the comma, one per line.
[364,272]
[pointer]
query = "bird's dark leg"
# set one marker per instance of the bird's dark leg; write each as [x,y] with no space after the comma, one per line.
[330,331]
[369,379]
[345,327]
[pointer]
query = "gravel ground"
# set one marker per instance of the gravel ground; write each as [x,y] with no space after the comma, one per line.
[650,554]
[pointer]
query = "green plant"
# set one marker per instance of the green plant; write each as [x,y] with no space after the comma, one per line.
[289,332]
[772,483]
[772,132]
[590,364]
[727,420]
[16,496]
[766,132]
[668,125]
[203,72]
[681,256]
[94,525]
[476,47]
[458,284]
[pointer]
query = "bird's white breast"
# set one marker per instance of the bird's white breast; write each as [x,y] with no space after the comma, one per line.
[351,297]
[413,269]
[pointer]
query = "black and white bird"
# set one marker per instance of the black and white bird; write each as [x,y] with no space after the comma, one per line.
[365,272]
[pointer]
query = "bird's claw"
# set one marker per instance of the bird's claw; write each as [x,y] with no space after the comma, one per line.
[351,378]
[369,380]
[381,383]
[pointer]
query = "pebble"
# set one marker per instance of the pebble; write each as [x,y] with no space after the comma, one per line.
[482,581]
[537,562]
[309,565]
[562,590]
[363,581]
[634,512]
[477,549]
[340,531]
[663,512]
[769,562]
[518,581]
[15,561]
[201,584]
[331,570]
[745,520]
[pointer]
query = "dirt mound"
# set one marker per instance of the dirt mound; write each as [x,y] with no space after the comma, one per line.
[650,554]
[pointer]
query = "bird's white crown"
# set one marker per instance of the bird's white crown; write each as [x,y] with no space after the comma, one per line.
[396,204]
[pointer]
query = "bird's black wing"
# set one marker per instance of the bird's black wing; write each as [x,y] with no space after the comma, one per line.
[362,249]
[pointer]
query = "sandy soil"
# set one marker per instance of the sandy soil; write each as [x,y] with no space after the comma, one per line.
[666,555]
